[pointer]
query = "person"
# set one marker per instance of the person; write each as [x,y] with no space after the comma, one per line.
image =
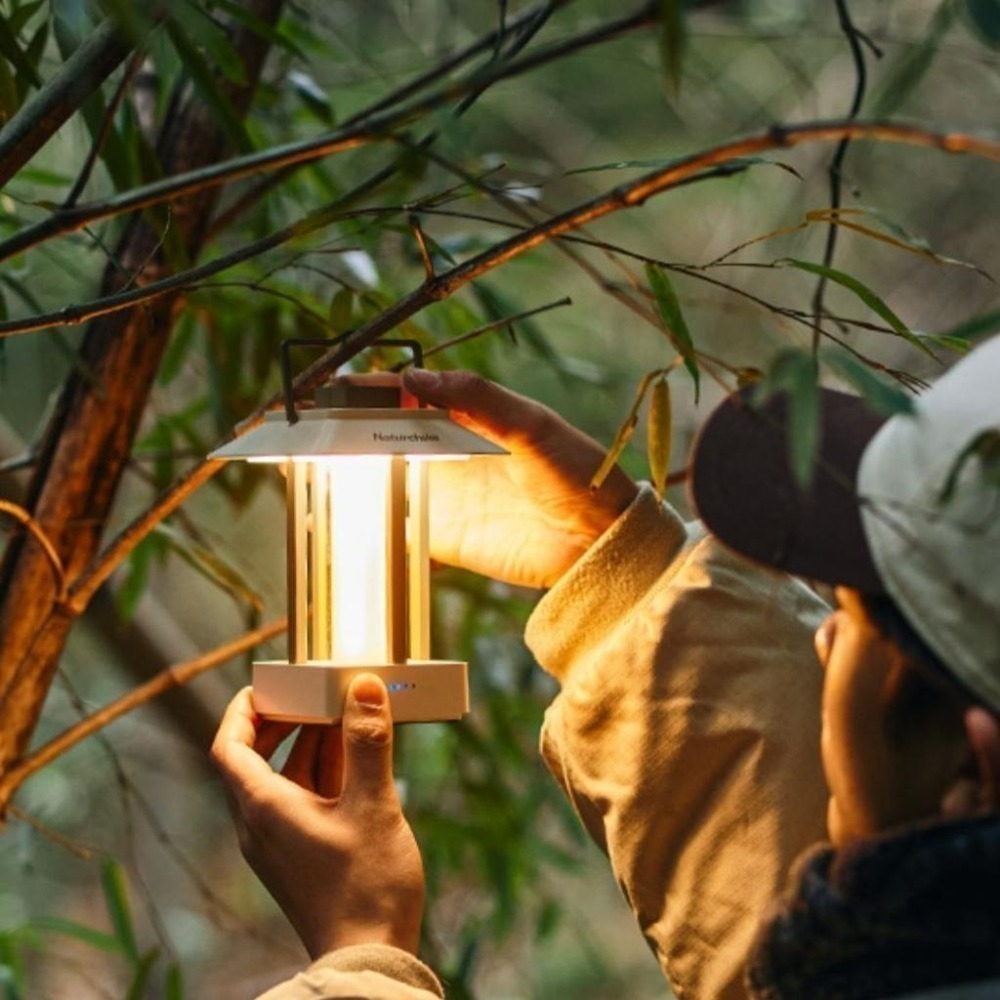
[687,729]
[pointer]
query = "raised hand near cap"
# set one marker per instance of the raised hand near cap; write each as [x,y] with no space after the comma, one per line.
[327,836]
[528,517]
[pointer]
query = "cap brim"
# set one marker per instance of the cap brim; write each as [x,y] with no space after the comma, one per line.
[745,492]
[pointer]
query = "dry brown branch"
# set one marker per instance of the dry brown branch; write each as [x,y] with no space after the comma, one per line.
[172,677]
[445,284]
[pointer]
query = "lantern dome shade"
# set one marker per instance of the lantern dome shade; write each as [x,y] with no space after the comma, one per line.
[319,433]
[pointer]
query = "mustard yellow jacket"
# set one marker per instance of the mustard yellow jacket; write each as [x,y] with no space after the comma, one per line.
[686,735]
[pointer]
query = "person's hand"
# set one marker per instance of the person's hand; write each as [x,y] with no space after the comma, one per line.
[327,836]
[525,518]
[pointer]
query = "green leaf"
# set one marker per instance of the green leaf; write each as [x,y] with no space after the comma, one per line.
[259,26]
[312,96]
[881,395]
[202,30]
[626,430]
[208,87]
[673,41]
[143,970]
[12,52]
[9,983]
[116,900]
[911,68]
[23,14]
[673,319]
[88,935]
[213,567]
[795,375]
[975,328]
[866,295]
[342,310]
[984,16]
[173,984]
[178,348]
[986,447]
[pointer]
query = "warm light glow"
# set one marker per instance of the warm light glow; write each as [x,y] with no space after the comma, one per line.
[358,559]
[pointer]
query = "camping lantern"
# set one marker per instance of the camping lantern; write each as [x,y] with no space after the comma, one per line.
[357,548]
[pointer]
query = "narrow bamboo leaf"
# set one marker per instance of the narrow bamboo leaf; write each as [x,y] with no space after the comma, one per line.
[986,447]
[619,444]
[23,14]
[9,99]
[9,983]
[178,349]
[69,928]
[955,344]
[673,320]
[866,295]
[661,163]
[208,87]
[883,396]
[673,40]
[116,900]
[312,95]
[912,66]
[201,29]
[211,566]
[143,970]
[342,310]
[173,985]
[984,16]
[795,374]
[12,52]
[625,431]
[902,240]
[659,434]
[259,26]
[975,328]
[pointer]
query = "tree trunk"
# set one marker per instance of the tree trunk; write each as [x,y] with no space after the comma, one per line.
[89,439]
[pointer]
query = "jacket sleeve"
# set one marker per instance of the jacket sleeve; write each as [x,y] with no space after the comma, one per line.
[686,732]
[361,972]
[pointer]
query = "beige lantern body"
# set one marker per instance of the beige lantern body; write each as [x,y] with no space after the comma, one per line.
[357,553]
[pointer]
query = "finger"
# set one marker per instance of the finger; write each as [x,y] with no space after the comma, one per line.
[270,735]
[330,772]
[233,750]
[301,764]
[478,403]
[367,726]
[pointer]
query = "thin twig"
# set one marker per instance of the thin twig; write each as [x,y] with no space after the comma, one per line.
[837,163]
[375,128]
[172,677]
[425,255]
[498,324]
[23,517]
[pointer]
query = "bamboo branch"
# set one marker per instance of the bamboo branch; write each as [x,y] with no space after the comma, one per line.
[59,98]
[629,195]
[172,677]
[625,196]
[375,128]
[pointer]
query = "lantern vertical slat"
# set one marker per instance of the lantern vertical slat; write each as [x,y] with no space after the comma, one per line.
[396,619]
[297,560]
[419,569]
[320,562]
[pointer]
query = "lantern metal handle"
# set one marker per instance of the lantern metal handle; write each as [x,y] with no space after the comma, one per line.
[291,414]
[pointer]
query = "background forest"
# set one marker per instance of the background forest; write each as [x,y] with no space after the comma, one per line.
[620,203]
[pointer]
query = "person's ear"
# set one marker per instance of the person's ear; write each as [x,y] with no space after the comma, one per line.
[982,729]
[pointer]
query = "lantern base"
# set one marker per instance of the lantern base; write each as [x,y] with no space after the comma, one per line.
[419,690]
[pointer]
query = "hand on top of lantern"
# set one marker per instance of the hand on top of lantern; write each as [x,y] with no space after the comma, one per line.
[528,518]
[326,836]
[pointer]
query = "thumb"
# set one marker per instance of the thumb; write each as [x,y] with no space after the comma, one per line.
[367,728]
